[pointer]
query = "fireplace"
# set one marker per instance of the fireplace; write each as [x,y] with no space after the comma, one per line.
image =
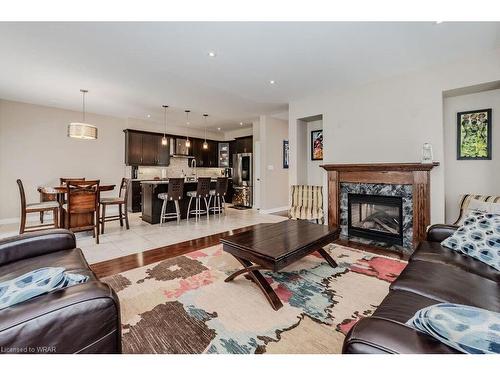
[375,217]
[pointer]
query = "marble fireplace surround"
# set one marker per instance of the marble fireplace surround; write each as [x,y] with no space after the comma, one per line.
[410,180]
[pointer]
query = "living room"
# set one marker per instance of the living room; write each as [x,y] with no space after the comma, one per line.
[250,188]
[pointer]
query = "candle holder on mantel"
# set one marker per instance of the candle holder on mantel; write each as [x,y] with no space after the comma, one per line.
[427,155]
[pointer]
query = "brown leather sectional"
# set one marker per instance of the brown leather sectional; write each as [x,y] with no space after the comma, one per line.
[434,274]
[83,318]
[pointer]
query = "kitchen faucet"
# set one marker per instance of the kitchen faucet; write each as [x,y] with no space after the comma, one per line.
[193,165]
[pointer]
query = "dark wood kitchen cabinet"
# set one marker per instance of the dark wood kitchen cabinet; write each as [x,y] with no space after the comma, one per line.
[134,197]
[205,157]
[149,149]
[244,145]
[145,148]
[133,148]
[163,156]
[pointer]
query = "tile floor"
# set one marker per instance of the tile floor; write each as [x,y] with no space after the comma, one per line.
[117,241]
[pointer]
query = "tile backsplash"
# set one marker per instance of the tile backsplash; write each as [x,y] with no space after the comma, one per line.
[175,169]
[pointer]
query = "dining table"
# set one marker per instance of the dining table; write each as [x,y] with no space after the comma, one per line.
[59,192]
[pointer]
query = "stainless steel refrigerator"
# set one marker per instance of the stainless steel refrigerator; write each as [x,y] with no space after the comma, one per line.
[243,180]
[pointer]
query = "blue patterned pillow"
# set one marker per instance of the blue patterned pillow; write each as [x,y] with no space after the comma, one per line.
[36,283]
[478,237]
[466,328]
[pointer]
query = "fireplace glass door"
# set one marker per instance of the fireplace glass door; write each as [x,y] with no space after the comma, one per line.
[376,217]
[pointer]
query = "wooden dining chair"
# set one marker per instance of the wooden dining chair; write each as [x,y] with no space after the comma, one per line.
[62,180]
[27,208]
[121,201]
[46,197]
[81,212]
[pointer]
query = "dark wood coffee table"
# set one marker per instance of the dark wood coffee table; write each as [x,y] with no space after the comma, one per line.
[275,246]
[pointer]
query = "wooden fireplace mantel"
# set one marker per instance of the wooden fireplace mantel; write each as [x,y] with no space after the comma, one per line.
[385,167]
[415,174]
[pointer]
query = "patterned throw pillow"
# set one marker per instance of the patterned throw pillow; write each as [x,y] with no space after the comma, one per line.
[468,329]
[36,283]
[478,237]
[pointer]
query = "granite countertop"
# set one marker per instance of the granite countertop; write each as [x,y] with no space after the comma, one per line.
[165,181]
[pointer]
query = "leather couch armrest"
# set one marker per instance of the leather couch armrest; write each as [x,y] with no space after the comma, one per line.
[30,245]
[382,336]
[83,318]
[439,232]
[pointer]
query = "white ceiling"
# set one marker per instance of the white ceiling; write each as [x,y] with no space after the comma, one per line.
[131,69]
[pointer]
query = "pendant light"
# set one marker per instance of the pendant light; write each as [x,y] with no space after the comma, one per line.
[164,139]
[188,142]
[82,130]
[205,144]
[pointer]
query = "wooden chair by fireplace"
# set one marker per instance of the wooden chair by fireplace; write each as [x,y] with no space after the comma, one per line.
[307,203]
[81,213]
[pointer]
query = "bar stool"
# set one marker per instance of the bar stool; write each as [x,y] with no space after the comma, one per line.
[219,196]
[121,201]
[175,192]
[202,191]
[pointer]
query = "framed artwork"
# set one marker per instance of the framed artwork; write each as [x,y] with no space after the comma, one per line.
[317,145]
[286,154]
[474,135]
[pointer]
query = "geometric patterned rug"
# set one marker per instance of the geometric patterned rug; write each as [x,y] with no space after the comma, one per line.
[182,305]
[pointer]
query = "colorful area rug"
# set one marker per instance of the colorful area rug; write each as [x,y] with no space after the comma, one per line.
[183,305]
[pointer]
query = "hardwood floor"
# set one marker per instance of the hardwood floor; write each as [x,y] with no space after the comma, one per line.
[129,262]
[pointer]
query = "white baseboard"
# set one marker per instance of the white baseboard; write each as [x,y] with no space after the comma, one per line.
[273,210]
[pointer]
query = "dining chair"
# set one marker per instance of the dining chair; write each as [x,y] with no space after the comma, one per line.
[27,208]
[83,201]
[219,194]
[175,192]
[121,201]
[46,197]
[62,180]
[202,192]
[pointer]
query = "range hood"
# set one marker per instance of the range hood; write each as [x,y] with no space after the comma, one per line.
[178,148]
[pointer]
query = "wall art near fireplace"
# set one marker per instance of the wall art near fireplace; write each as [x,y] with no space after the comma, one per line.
[317,145]
[474,135]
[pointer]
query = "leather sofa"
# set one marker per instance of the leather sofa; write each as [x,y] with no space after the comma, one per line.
[434,274]
[83,318]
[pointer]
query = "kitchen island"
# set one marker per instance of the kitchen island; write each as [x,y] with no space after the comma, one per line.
[151,204]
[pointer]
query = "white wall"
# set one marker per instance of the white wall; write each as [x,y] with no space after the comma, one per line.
[470,176]
[274,189]
[35,148]
[314,171]
[388,121]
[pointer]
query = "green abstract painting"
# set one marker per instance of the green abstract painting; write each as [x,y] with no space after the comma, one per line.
[474,134]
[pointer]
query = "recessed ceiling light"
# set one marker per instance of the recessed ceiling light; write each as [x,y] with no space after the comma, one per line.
[272,82]
[218,129]
[212,54]
[148,116]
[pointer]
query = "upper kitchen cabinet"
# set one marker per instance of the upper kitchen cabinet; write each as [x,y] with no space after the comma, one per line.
[204,157]
[133,148]
[244,145]
[163,156]
[143,148]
